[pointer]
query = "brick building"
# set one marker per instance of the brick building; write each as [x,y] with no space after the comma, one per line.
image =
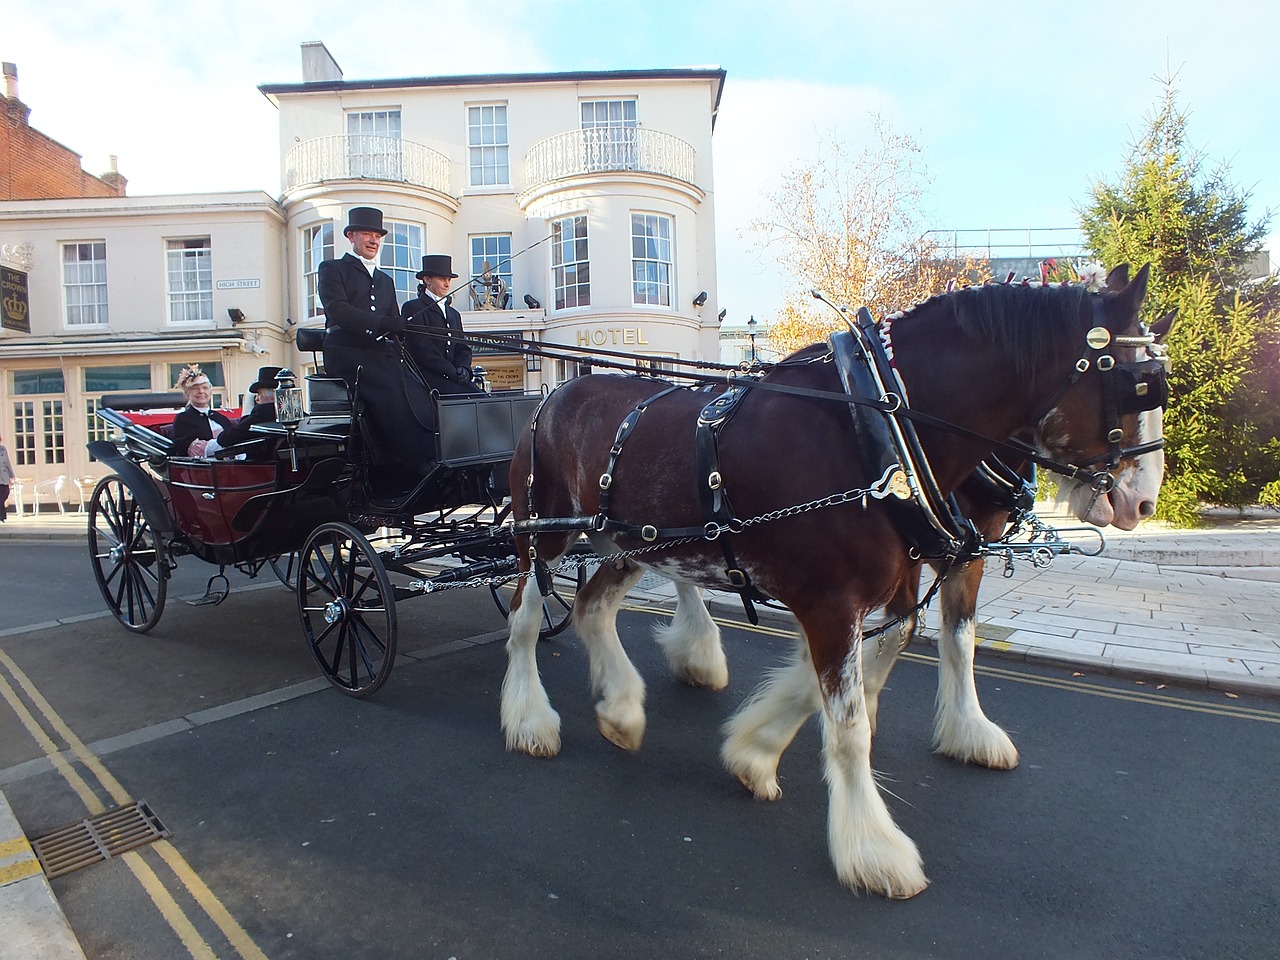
[36,167]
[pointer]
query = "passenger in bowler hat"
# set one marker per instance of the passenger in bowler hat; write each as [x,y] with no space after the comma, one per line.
[434,340]
[362,319]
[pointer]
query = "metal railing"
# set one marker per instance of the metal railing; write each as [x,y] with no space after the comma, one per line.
[608,149]
[997,244]
[366,157]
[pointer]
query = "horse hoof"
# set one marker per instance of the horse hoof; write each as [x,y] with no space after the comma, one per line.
[763,791]
[620,738]
[543,749]
[907,894]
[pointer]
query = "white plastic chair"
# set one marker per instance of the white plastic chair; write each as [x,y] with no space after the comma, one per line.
[54,487]
[84,487]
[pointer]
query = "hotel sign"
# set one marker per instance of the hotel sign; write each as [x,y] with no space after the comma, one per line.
[15,304]
[612,337]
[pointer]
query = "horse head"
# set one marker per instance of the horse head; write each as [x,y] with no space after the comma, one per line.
[1112,415]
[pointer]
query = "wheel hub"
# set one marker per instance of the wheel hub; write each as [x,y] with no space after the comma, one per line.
[335,610]
[117,554]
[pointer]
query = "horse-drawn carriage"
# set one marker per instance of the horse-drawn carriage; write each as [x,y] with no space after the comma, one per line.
[837,499]
[300,499]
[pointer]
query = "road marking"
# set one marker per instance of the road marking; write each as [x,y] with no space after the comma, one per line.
[168,907]
[1073,684]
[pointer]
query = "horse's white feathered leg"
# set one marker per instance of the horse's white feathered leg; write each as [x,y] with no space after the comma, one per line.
[878,657]
[766,723]
[868,849]
[530,723]
[692,641]
[620,709]
[960,729]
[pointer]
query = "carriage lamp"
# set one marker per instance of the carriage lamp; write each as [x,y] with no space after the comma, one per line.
[288,400]
[289,410]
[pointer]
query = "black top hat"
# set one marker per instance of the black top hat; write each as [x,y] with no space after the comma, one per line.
[437,265]
[266,379]
[364,218]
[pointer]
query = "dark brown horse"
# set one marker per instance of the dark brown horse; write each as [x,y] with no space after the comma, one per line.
[991,361]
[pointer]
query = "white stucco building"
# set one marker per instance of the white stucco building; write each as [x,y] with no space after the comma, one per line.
[589,194]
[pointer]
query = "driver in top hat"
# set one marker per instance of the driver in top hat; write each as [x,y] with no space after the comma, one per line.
[361,318]
[434,339]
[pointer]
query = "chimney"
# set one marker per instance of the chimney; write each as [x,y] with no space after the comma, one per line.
[318,65]
[12,105]
[113,179]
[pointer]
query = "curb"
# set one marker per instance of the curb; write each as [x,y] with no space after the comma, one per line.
[32,925]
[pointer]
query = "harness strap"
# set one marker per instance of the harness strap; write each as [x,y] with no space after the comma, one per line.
[713,495]
[624,430]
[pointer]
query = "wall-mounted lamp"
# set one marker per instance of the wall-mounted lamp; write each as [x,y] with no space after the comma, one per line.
[236,314]
[531,303]
[722,313]
[700,299]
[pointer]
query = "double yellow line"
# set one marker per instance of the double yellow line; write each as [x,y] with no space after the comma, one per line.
[169,908]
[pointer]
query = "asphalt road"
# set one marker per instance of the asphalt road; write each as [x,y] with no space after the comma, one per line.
[1141,823]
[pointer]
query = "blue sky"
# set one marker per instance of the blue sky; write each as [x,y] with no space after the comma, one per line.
[1017,111]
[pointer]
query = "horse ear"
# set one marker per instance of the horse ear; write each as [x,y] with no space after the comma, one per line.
[1161,326]
[1118,278]
[1134,292]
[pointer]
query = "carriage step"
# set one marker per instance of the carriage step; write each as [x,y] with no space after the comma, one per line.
[86,842]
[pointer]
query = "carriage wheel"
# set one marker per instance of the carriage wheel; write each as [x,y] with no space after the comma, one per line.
[556,609]
[348,609]
[285,567]
[128,559]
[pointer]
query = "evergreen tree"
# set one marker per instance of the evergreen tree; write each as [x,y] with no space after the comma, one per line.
[1193,229]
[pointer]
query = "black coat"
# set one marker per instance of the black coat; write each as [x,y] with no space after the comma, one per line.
[239,431]
[361,319]
[190,425]
[437,346]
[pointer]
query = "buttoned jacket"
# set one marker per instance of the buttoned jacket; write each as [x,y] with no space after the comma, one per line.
[191,424]
[358,308]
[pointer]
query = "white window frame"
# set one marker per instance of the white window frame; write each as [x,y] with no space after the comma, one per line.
[401,256]
[323,233]
[189,279]
[609,132]
[488,145]
[570,264]
[84,284]
[652,259]
[491,249]
[374,144]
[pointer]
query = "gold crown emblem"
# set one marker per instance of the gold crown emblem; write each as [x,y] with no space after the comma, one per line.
[15,308]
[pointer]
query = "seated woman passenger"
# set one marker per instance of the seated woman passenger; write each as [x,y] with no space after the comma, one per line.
[198,423]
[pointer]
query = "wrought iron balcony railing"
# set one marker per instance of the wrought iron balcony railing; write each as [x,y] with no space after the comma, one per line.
[366,157]
[607,149]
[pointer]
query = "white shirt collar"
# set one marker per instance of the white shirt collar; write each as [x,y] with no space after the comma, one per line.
[370,265]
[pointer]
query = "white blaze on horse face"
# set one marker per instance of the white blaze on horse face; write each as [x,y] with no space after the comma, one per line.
[1133,499]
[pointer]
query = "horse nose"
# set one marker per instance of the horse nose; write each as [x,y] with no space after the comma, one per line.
[1146,509]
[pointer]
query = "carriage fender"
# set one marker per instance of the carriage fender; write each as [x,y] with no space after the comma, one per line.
[323,474]
[142,486]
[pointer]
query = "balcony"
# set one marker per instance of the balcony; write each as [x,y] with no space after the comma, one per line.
[581,153]
[364,157]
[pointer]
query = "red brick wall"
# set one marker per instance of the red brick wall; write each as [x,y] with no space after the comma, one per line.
[35,167]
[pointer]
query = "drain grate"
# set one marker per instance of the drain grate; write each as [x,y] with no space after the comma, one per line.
[99,838]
